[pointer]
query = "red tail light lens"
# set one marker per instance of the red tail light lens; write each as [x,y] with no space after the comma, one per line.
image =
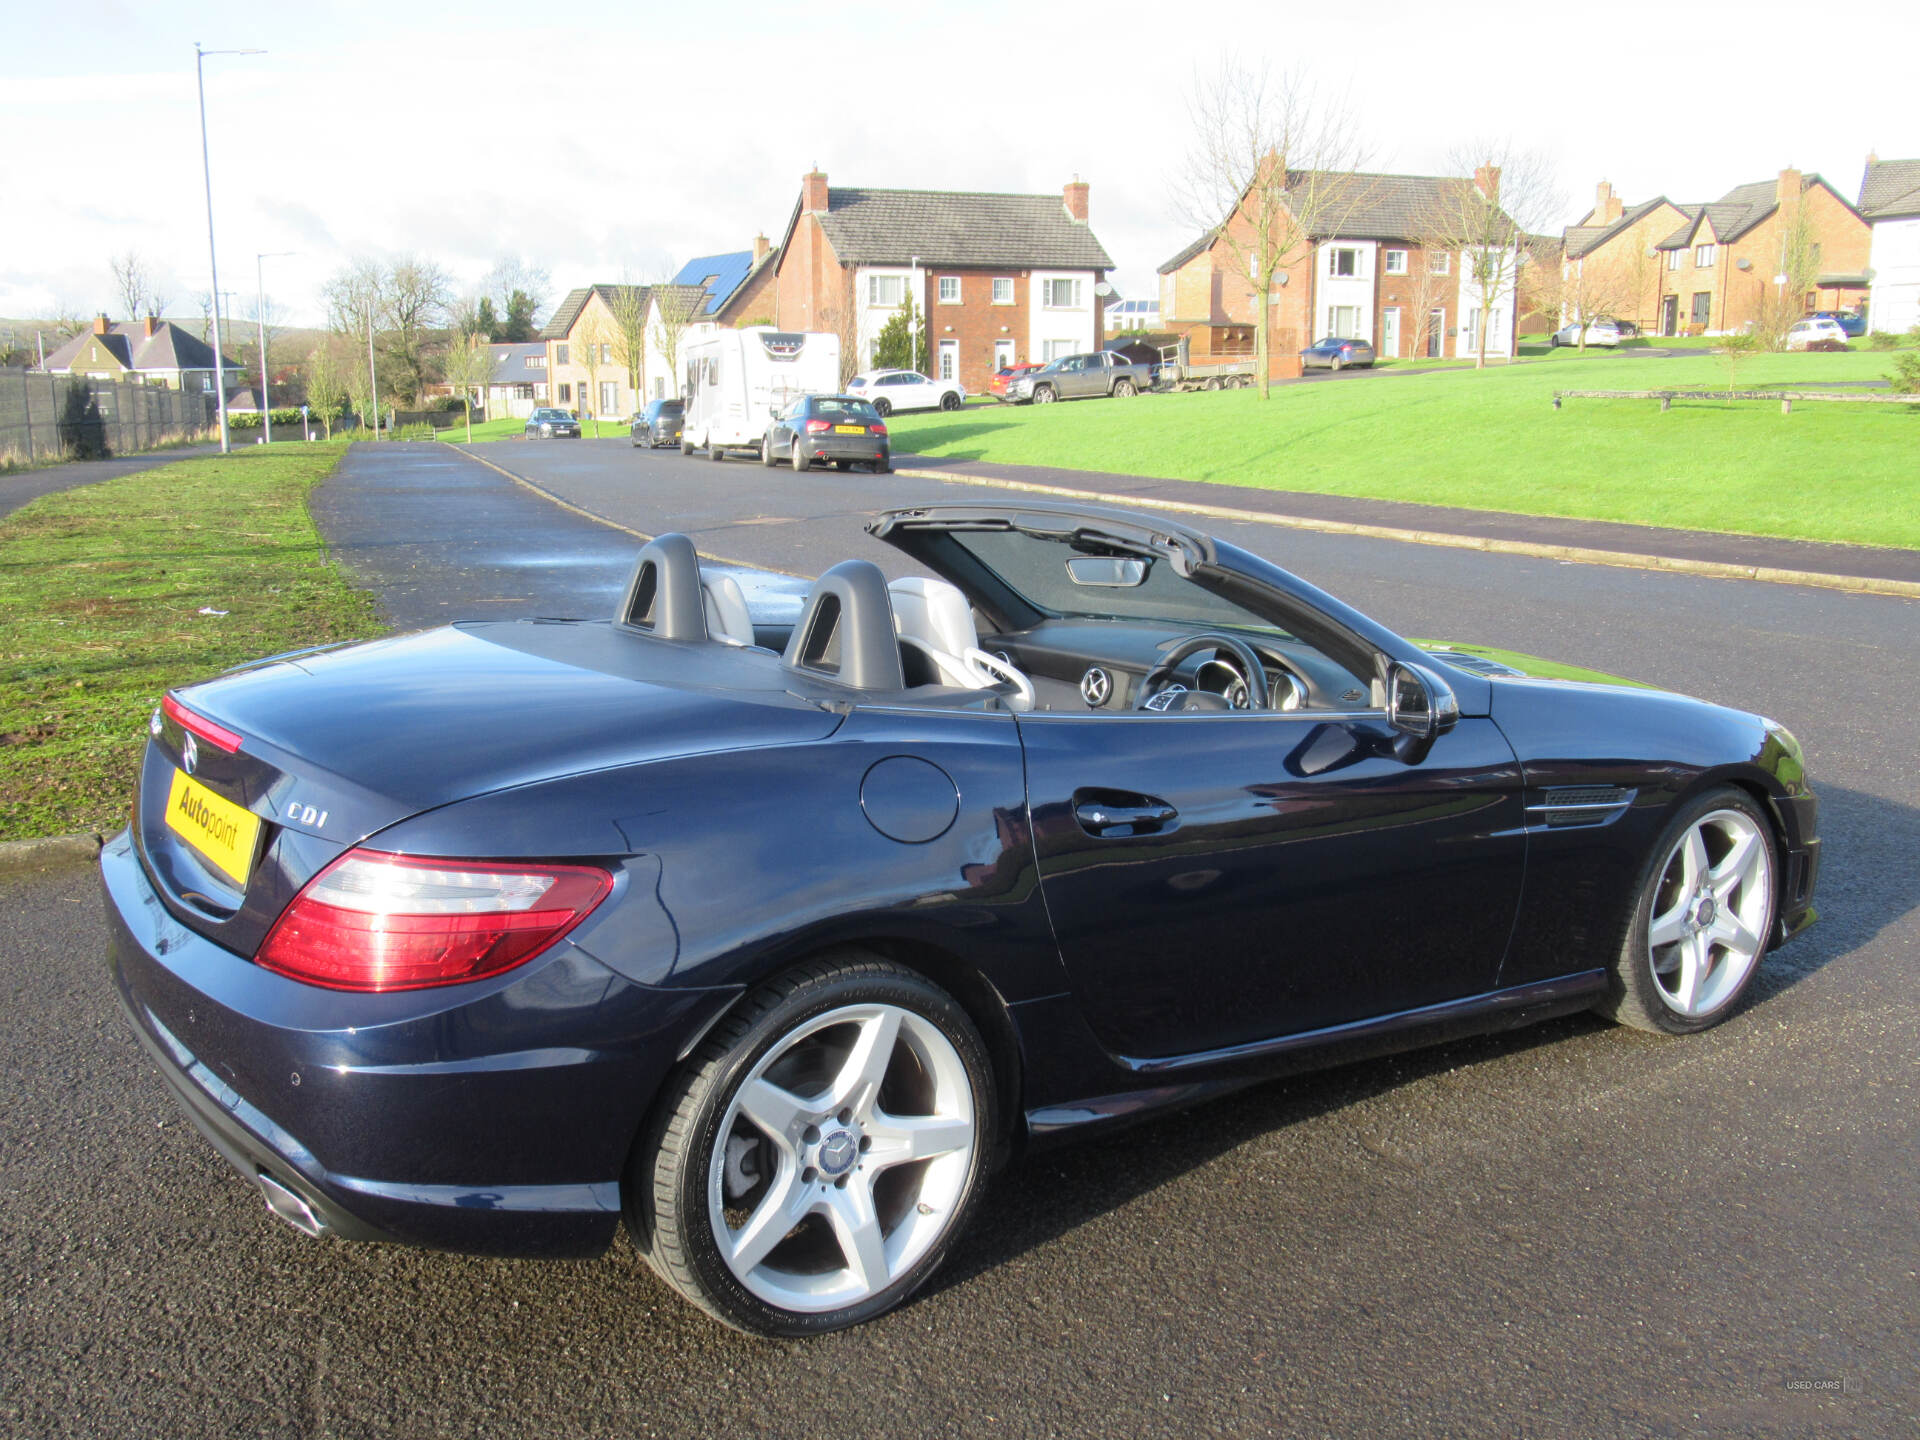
[216,735]
[817,427]
[877,428]
[373,921]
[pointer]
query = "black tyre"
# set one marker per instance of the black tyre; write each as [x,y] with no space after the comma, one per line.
[714,450]
[883,407]
[813,1162]
[1043,395]
[1124,389]
[949,401]
[1703,915]
[800,460]
[686,446]
[767,457]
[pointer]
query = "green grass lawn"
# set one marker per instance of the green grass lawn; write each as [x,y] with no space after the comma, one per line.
[1491,440]
[101,594]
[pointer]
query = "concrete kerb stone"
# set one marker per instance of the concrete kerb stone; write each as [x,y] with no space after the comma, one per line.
[1578,554]
[48,850]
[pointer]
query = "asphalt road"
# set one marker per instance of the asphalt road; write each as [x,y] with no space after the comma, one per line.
[17,490]
[1570,1231]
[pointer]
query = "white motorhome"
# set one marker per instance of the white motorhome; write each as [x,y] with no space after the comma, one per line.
[734,380]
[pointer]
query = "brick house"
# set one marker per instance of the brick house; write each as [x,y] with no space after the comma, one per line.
[587,369]
[736,288]
[149,351]
[1609,257]
[1890,203]
[1374,279]
[1716,267]
[1000,278]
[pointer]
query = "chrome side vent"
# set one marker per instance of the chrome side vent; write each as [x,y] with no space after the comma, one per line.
[1561,807]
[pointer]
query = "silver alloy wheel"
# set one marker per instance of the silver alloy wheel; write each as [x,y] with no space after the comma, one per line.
[1710,912]
[820,1195]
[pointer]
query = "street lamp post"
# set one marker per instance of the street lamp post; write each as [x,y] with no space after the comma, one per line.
[213,266]
[260,319]
[913,331]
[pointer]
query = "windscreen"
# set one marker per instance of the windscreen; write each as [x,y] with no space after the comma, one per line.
[859,411]
[1035,567]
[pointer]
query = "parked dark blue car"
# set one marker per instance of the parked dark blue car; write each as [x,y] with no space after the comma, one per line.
[1334,353]
[774,939]
[1853,322]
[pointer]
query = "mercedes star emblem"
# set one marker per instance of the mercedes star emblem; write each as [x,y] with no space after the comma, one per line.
[1095,686]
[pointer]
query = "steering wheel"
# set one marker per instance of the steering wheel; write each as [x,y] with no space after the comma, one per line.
[993,670]
[1252,672]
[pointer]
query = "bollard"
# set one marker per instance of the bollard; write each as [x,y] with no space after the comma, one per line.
[1666,402]
[1786,405]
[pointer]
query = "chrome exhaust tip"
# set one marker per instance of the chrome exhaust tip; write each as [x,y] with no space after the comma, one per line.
[290,1207]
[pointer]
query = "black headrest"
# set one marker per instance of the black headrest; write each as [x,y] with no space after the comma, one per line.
[663,594]
[846,630]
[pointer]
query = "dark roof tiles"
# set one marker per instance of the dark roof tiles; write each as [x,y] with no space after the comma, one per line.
[943,227]
[1890,189]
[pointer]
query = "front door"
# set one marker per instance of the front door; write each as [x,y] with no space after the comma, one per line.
[1390,333]
[949,360]
[1670,315]
[1307,876]
[1002,354]
[1436,334]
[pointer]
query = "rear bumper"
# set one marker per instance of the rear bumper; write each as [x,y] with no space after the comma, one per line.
[867,449]
[498,1124]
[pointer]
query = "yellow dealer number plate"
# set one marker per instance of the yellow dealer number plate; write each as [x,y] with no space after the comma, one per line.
[216,827]
[849,429]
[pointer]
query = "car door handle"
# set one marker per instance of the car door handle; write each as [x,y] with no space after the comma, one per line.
[1109,815]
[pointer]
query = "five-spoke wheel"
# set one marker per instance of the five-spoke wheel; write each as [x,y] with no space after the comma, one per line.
[1703,918]
[819,1157]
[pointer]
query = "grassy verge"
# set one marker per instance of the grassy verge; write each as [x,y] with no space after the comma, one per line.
[1491,440]
[102,591]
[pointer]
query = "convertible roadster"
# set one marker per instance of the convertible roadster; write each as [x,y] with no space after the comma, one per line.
[775,939]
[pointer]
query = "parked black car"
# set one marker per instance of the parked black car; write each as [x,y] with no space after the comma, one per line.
[838,430]
[1852,322]
[546,422]
[1335,353]
[775,938]
[659,424]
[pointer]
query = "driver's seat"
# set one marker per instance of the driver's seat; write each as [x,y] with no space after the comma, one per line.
[934,618]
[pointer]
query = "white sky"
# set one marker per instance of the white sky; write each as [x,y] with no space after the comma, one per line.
[609,140]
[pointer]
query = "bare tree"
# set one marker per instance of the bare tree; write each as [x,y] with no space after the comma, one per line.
[674,309]
[839,317]
[327,381]
[591,350]
[469,366]
[1589,288]
[356,297]
[1783,295]
[265,316]
[415,302]
[1485,222]
[631,305]
[1271,170]
[519,291]
[132,284]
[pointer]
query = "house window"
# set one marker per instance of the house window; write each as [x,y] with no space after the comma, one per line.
[1003,289]
[1060,295]
[886,291]
[1439,262]
[606,354]
[540,392]
[1703,257]
[1343,261]
[949,289]
[566,393]
[1396,262]
[1054,349]
[523,392]
[609,397]
[1344,321]
[560,353]
[1702,306]
[536,362]
[1673,259]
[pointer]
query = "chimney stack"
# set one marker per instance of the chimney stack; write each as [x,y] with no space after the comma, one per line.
[813,192]
[1607,206]
[1075,198]
[100,324]
[760,248]
[150,325]
[1486,179]
[1788,186]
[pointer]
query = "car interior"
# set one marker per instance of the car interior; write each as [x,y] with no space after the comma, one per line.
[922,641]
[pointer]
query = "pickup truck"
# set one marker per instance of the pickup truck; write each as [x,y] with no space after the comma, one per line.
[1073,376]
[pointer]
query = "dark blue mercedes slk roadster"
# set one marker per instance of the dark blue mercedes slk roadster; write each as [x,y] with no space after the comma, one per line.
[775,939]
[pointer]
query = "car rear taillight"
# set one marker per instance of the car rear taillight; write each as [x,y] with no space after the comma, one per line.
[373,921]
[217,736]
[818,427]
[876,428]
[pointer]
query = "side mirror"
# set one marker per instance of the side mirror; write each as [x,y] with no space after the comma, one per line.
[1107,571]
[1419,703]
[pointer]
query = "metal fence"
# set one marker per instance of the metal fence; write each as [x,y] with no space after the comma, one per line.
[43,417]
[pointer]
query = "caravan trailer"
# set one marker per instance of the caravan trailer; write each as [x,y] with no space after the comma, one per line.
[734,381]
